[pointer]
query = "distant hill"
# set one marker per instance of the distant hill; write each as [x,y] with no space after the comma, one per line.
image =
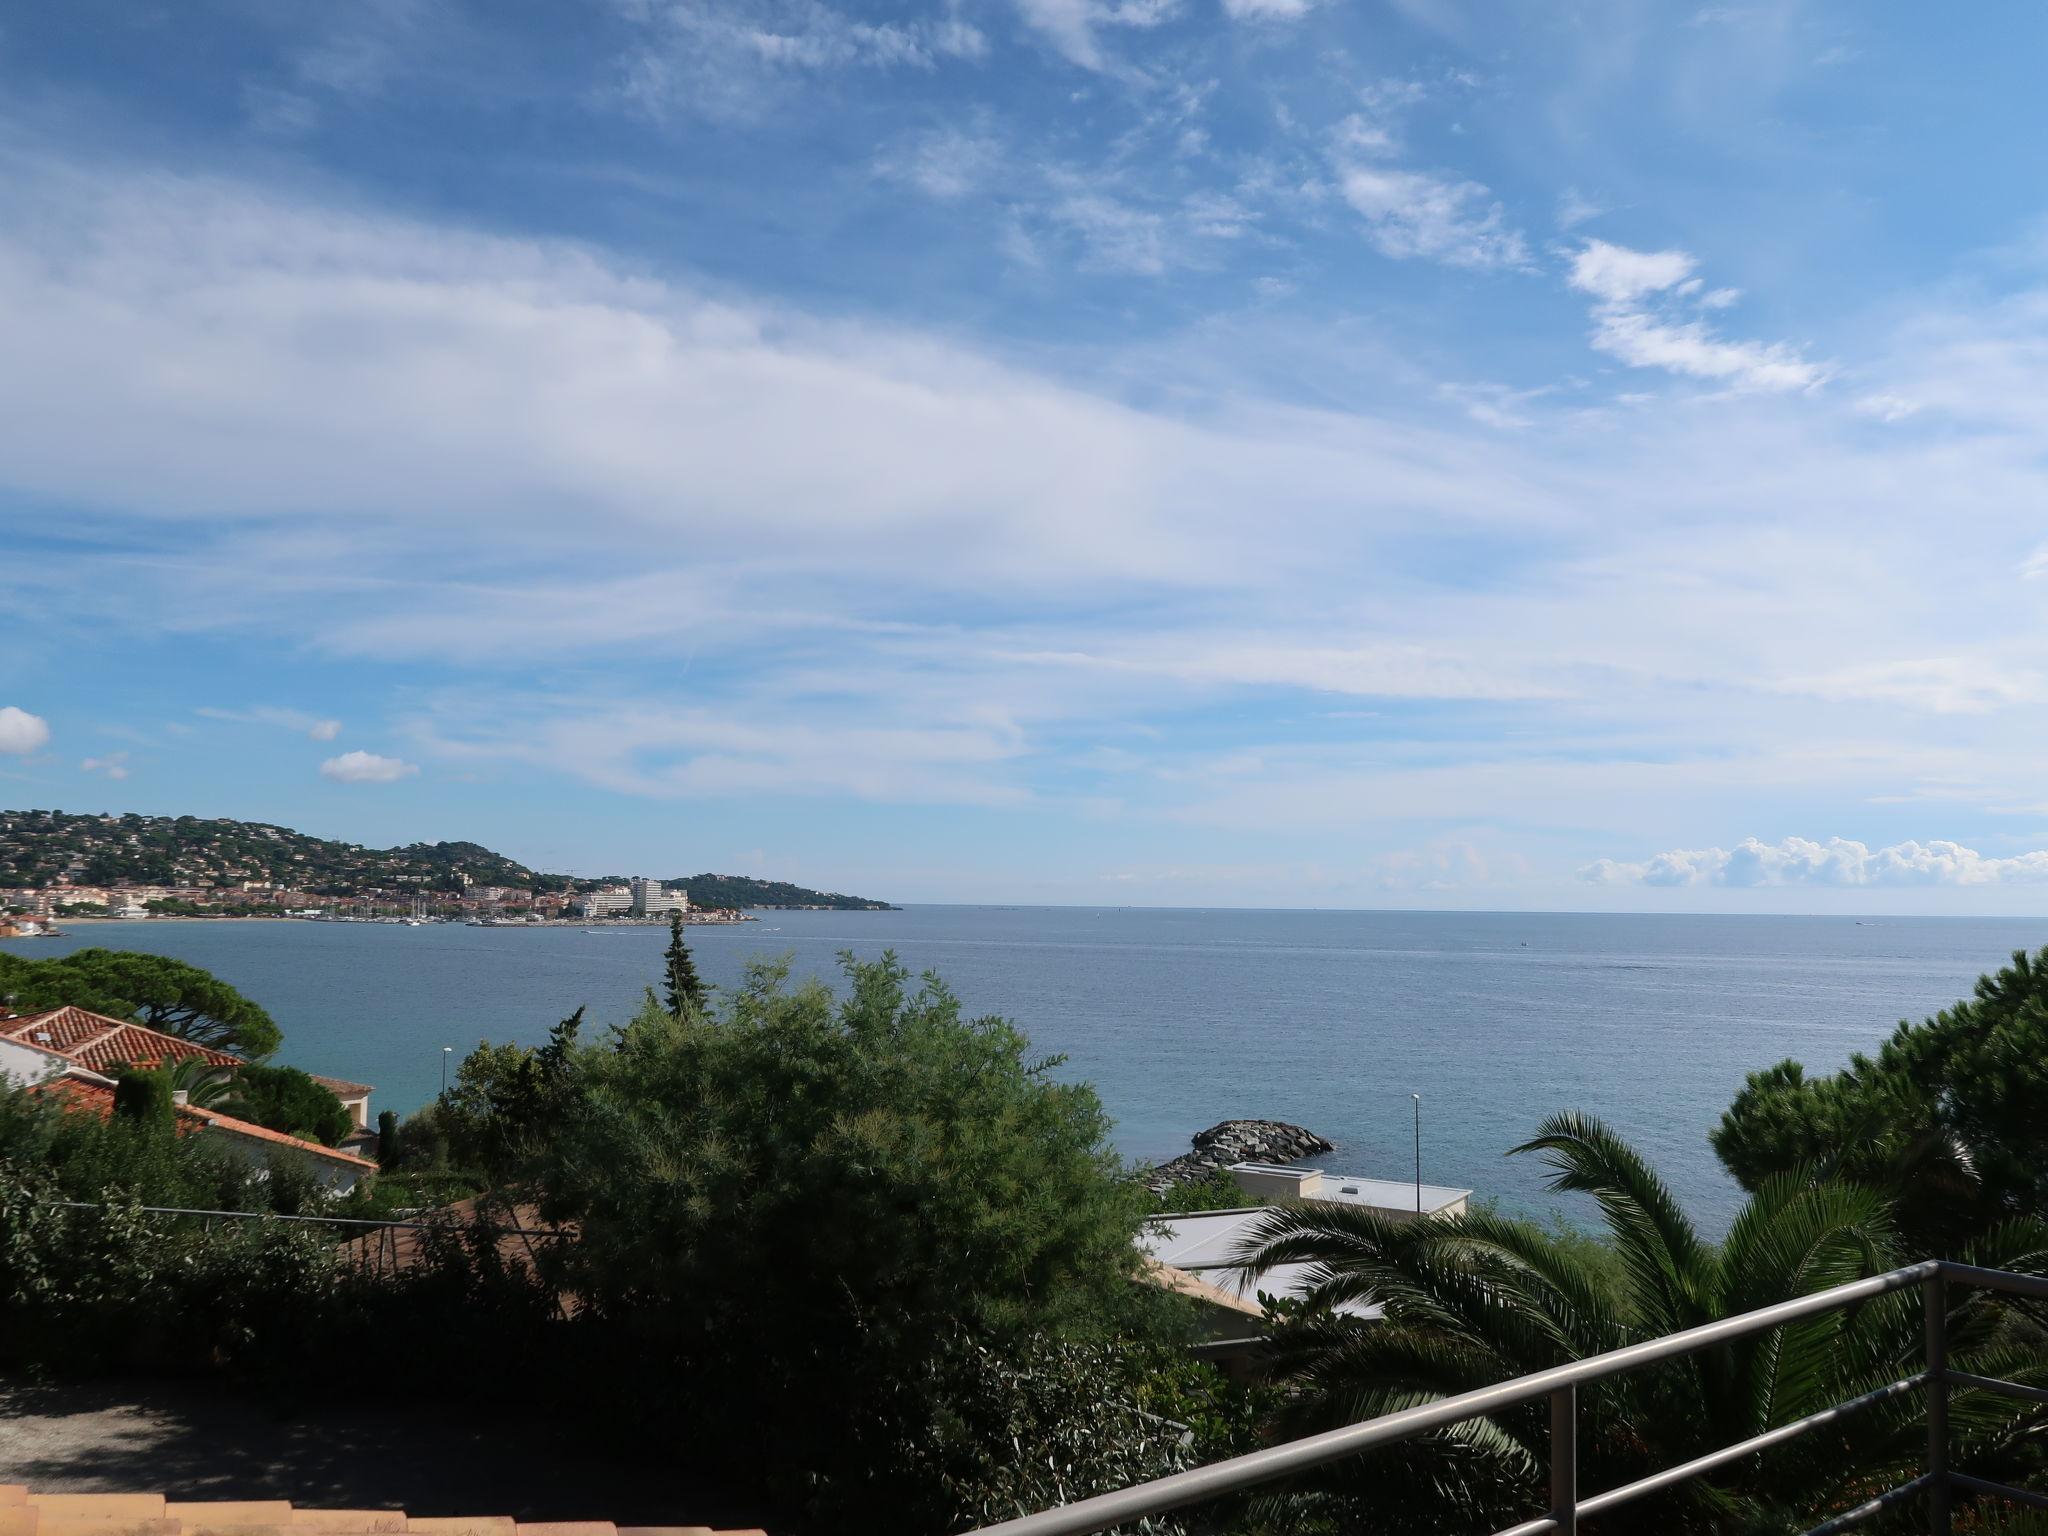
[745,891]
[39,848]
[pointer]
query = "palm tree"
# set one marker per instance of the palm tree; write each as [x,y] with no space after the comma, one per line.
[205,1086]
[1476,1299]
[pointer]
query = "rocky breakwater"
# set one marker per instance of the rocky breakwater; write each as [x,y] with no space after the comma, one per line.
[1235,1141]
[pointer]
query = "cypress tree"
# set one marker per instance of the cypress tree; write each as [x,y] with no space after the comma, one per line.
[685,991]
[387,1139]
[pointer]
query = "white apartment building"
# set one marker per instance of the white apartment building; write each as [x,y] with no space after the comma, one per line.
[605,901]
[650,900]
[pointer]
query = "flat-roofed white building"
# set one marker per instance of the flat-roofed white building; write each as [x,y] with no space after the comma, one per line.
[1395,1198]
[651,900]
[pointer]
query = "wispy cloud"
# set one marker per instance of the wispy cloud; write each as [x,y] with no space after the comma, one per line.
[945,163]
[730,58]
[1074,27]
[1646,314]
[314,727]
[114,765]
[366,768]
[1837,862]
[1411,212]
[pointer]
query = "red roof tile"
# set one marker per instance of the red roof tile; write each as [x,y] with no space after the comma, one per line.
[341,1087]
[99,1098]
[97,1041]
[228,1123]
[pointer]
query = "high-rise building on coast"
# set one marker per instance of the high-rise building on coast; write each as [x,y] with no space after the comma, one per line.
[642,896]
[650,900]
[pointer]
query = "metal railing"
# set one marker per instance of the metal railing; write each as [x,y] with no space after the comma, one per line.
[1937,1481]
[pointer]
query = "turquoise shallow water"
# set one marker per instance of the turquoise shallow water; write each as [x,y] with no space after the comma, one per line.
[1182,1018]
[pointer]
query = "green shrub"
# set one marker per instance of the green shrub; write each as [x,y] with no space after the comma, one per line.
[796,1204]
[288,1100]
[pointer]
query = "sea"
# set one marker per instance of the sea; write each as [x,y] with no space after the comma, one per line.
[1181,1018]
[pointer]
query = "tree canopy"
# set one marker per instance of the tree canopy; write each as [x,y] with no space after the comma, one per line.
[165,994]
[804,1205]
[1950,1118]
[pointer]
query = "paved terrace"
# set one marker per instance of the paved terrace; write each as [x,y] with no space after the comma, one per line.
[193,1441]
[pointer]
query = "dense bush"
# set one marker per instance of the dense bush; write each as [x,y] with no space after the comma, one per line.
[794,1206]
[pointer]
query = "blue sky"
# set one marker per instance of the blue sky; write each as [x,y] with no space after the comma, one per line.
[1264,452]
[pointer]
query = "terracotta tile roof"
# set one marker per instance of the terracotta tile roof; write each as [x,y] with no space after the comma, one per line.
[341,1087]
[215,1120]
[97,1041]
[99,1098]
[400,1248]
[77,1094]
[24,1512]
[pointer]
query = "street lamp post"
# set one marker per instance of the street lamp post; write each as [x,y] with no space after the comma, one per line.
[1418,1151]
[449,1050]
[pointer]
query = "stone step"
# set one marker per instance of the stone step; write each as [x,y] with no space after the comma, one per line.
[666,1530]
[200,1517]
[49,1523]
[18,1520]
[12,1495]
[463,1525]
[348,1522]
[567,1528]
[101,1506]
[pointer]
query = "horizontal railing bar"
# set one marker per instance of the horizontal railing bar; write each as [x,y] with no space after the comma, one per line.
[1990,1490]
[1994,1384]
[1994,1279]
[1658,1481]
[337,1221]
[1240,1472]
[1542,1525]
[1863,1512]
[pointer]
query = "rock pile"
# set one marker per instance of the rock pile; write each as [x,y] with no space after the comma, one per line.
[1235,1141]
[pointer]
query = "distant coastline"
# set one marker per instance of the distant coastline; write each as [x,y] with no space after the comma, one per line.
[71,866]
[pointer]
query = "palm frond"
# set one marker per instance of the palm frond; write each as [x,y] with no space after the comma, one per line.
[1659,1246]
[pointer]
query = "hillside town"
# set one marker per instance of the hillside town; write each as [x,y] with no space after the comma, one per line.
[30,911]
[63,864]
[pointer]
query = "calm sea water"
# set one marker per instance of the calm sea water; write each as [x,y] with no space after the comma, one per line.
[1183,1018]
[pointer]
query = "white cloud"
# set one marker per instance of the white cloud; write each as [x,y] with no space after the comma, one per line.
[1267,10]
[366,768]
[1418,213]
[1413,213]
[1637,318]
[1614,274]
[21,732]
[114,765]
[729,58]
[1837,862]
[1071,25]
[1887,408]
[1942,685]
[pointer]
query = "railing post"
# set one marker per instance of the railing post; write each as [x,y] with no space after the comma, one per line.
[1935,1294]
[1564,1459]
